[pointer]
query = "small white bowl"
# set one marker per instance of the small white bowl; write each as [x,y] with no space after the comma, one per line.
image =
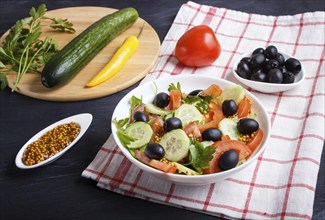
[188,83]
[84,120]
[269,87]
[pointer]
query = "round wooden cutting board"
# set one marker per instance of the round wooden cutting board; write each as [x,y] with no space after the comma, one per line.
[135,68]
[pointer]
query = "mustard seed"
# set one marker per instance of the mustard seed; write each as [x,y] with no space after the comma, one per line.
[50,143]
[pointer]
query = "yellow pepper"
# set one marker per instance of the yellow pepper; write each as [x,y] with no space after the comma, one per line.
[117,62]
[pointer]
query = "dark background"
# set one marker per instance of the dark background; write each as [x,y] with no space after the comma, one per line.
[58,191]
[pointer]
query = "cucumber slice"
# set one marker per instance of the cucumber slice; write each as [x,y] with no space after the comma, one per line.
[188,113]
[176,145]
[229,127]
[235,93]
[141,131]
[183,169]
[151,108]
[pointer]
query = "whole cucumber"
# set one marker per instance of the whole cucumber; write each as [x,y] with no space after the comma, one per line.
[65,64]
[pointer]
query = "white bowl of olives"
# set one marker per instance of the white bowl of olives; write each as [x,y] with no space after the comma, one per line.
[269,70]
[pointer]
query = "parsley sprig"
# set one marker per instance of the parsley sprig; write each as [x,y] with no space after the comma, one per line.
[200,155]
[201,103]
[172,86]
[134,102]
[22,51]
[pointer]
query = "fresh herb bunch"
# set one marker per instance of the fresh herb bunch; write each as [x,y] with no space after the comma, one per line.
[23,51]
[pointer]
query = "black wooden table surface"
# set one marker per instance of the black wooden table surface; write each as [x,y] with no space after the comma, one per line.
[58,191]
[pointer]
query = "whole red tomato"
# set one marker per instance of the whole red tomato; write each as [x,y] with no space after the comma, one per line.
[198,47]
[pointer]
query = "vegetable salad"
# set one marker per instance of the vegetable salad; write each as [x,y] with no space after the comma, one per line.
[201,132]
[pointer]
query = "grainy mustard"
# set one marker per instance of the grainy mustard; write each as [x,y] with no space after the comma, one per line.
[50,143]
[246,138]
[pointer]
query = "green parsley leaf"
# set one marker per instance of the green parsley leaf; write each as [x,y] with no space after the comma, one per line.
[124,138]
[2,66]
[39,13]
[134,103]
[203,107]
[61,24]
[200,155]
[201,103]
[172,86]
[192,99]
[3,81]
[120,123]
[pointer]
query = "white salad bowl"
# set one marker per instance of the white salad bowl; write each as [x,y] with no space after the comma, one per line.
[188,83]
[83,120]
[269,87]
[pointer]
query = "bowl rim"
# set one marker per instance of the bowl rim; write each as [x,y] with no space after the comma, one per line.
[278,85]
[83,120]
[179,177]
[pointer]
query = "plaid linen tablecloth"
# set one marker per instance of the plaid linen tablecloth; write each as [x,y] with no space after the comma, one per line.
[281,183]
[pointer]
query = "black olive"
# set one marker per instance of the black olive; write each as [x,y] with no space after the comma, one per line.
[282,69]
[280,58]
[275,76]
[211,134]
[258,50]
[154,151]
[259,76]
[288,77]
[270,52]
[228,160]
[139,116]
[246,60]
[229,107]
[293,65]
[270,64]
[161,100]
[247,126]
[243,70]
[195,92]
[172,123]
[257,60]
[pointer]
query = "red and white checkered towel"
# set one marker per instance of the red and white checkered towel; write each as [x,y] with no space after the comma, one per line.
[281,183]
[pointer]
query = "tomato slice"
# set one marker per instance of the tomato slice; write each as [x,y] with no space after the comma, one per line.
[223,146]
[162,166]
[244,107]
[212,90]
[256,140]
[215,112]
[156,124]
[225,138]
[142,157]
[192,130]
[175,99]
[155,163]
[211,124]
